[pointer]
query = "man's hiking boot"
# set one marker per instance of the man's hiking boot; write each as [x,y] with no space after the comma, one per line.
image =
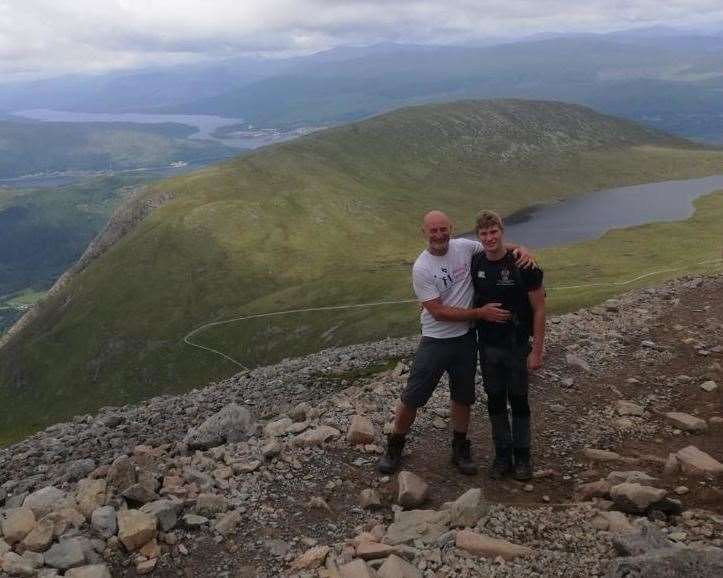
[389,462]
[501,467]
[523,465]
[461,457]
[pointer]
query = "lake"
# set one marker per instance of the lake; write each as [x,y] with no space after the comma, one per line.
[590,215]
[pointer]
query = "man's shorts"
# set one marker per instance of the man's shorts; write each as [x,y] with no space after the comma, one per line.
[455,355]
[504,369]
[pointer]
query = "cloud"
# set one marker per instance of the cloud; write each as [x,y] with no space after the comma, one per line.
[41,37]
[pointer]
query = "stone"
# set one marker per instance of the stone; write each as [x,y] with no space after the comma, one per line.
[411,525]
[92,571]
[312,558]
[65,554]
[672,465]
[45,501]
[277,428]
[369,550]
[361,430]
[356,569]
[646,538]
[681,490]
[211,504]
[624,407]
[677,562]
[17,523]
[40,537]
[139,494]
[596,455]
[65,519]
[136,528]
[698,463]
[369,499]
[4,547]
[121,474]
[709,386]
[270,449]
[633,476]
[104,522]
[487,547]
[412,489]
[598,489]
[231,424]
[612,521]
[316,436]
[686,422]
[194,520]
[16,565]
[396,567]
[228,523]
[573,360]
[146,566]
[635,498]
[466,510]
[90,495]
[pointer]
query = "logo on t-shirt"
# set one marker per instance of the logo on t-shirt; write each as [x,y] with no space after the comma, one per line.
[505,280]
[445,277]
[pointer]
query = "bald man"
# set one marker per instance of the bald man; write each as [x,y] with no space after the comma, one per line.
[443,284]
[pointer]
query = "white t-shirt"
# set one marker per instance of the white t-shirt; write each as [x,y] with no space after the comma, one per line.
[446,277]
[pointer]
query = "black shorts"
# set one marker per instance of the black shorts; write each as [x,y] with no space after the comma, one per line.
[504,369]
[456,355]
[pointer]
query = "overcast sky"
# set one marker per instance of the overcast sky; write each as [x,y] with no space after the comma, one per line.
[48,37]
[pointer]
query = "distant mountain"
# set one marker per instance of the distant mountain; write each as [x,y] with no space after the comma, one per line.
[330,218]
[677,76]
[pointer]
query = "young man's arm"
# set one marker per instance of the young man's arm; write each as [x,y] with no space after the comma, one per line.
[537,301]
[490,312]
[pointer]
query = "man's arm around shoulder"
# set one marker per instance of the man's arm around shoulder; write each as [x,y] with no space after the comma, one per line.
[490,312]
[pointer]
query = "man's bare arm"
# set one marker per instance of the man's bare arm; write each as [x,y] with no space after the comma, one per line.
[523,257]
[537,300]
[490,312]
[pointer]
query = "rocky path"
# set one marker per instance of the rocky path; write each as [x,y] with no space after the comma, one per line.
[271,474]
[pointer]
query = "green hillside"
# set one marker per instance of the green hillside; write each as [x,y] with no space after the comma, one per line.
[32,147]
[331,218]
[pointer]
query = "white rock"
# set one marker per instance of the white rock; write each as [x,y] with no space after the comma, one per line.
[466,510]
[709,386]
[624,407]
[92,571]
[635,498]
[356,569]
[16,565]
[311,559]
[396,567]
[487,547]
[45,501]
[316,436]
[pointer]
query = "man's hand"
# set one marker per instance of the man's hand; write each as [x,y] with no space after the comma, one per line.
[493,312]
[534,360]
[523,257]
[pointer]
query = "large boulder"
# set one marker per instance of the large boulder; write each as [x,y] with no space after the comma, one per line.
[316,436]
[16,565]
[165,511]
[411,525]
[121,474]
[361,430]
[466,510]
[90,495]
[136,528]
[396,567]
[65,554]
[686,422]
[635,498]
[40,537]
[104,522]
[233,423]
[646,538]
[698,463]
[46,500]
[16,524]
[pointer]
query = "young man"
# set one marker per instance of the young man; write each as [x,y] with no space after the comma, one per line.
[505,353]
[442,283]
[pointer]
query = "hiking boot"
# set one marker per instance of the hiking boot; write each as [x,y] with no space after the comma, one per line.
[389,462]
[523,466]
[501,467]
[462,458]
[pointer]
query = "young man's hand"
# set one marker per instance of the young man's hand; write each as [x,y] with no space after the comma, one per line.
[534,360]
[493,312]
[523,257]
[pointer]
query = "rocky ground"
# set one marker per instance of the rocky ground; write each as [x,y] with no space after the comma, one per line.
[271,473]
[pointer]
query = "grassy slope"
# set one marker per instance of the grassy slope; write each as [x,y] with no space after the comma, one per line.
[328,219]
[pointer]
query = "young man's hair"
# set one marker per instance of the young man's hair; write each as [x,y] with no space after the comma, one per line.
[487,219]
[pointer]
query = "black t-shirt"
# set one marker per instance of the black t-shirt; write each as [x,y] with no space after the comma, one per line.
[503,282]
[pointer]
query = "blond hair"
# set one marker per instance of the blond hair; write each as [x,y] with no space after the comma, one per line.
[487,219]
